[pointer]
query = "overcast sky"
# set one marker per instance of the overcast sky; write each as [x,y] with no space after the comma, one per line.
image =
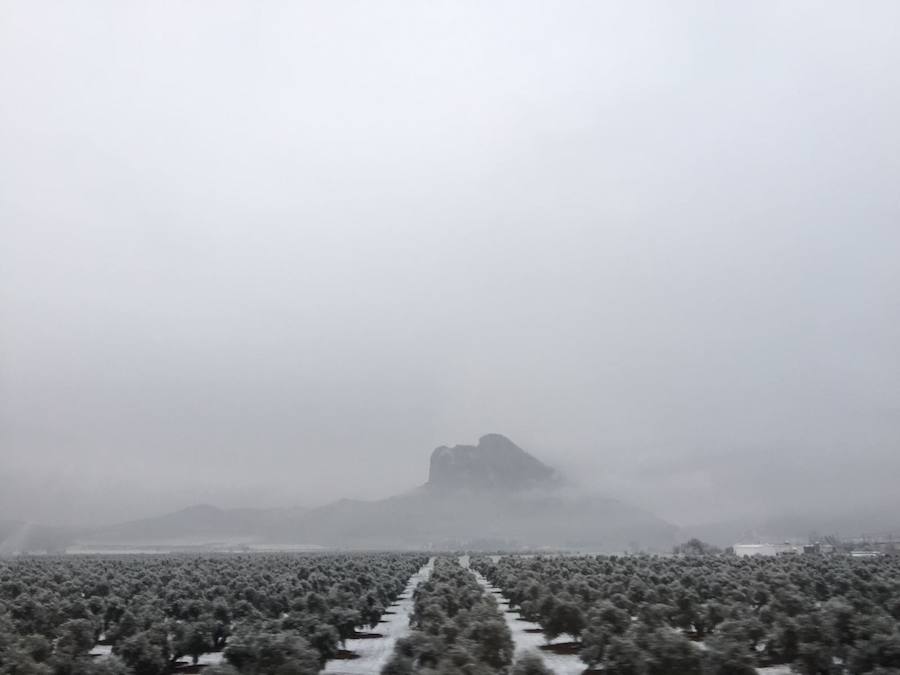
[273,253]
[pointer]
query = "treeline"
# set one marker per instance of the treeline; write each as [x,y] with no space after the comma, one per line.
[717,615]
[457,628]
[269,613]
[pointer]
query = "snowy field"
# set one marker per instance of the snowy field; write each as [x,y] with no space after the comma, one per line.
[775,670]
[208,659]
[374,653]
[561,664]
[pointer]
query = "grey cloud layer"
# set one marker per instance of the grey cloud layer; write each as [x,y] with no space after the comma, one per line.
[276,252]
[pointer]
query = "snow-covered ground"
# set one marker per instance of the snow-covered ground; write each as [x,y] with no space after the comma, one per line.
[375,652]
[775,670]
[208,659]
[525,641]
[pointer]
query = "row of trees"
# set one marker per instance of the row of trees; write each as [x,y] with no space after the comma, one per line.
[457,628]
[154,610]
[715,614]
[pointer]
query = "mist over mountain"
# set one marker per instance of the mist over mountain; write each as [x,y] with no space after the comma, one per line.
[246,266]
[495,463]
[853,523]
[493,494]
[200,524]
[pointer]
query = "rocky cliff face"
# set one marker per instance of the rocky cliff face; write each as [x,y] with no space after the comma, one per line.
[495,464]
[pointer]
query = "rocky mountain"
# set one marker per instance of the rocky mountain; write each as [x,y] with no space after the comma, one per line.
[496,463]
[493,495]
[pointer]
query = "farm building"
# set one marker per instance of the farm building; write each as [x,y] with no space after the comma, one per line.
[767,549]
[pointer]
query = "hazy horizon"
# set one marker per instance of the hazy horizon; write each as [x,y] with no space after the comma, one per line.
[273,254]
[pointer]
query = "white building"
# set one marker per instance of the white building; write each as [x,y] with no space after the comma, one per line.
[767,549]
[865,554]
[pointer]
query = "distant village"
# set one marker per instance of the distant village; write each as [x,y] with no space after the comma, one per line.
[856,548]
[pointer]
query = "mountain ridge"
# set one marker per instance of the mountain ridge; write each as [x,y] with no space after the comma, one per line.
[492,492]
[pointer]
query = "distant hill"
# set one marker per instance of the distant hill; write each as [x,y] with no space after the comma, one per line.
[852,523]
[493,493]
[197,525]
[17,536]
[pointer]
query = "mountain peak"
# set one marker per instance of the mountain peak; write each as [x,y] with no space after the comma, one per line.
[493,492]
[496,463]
